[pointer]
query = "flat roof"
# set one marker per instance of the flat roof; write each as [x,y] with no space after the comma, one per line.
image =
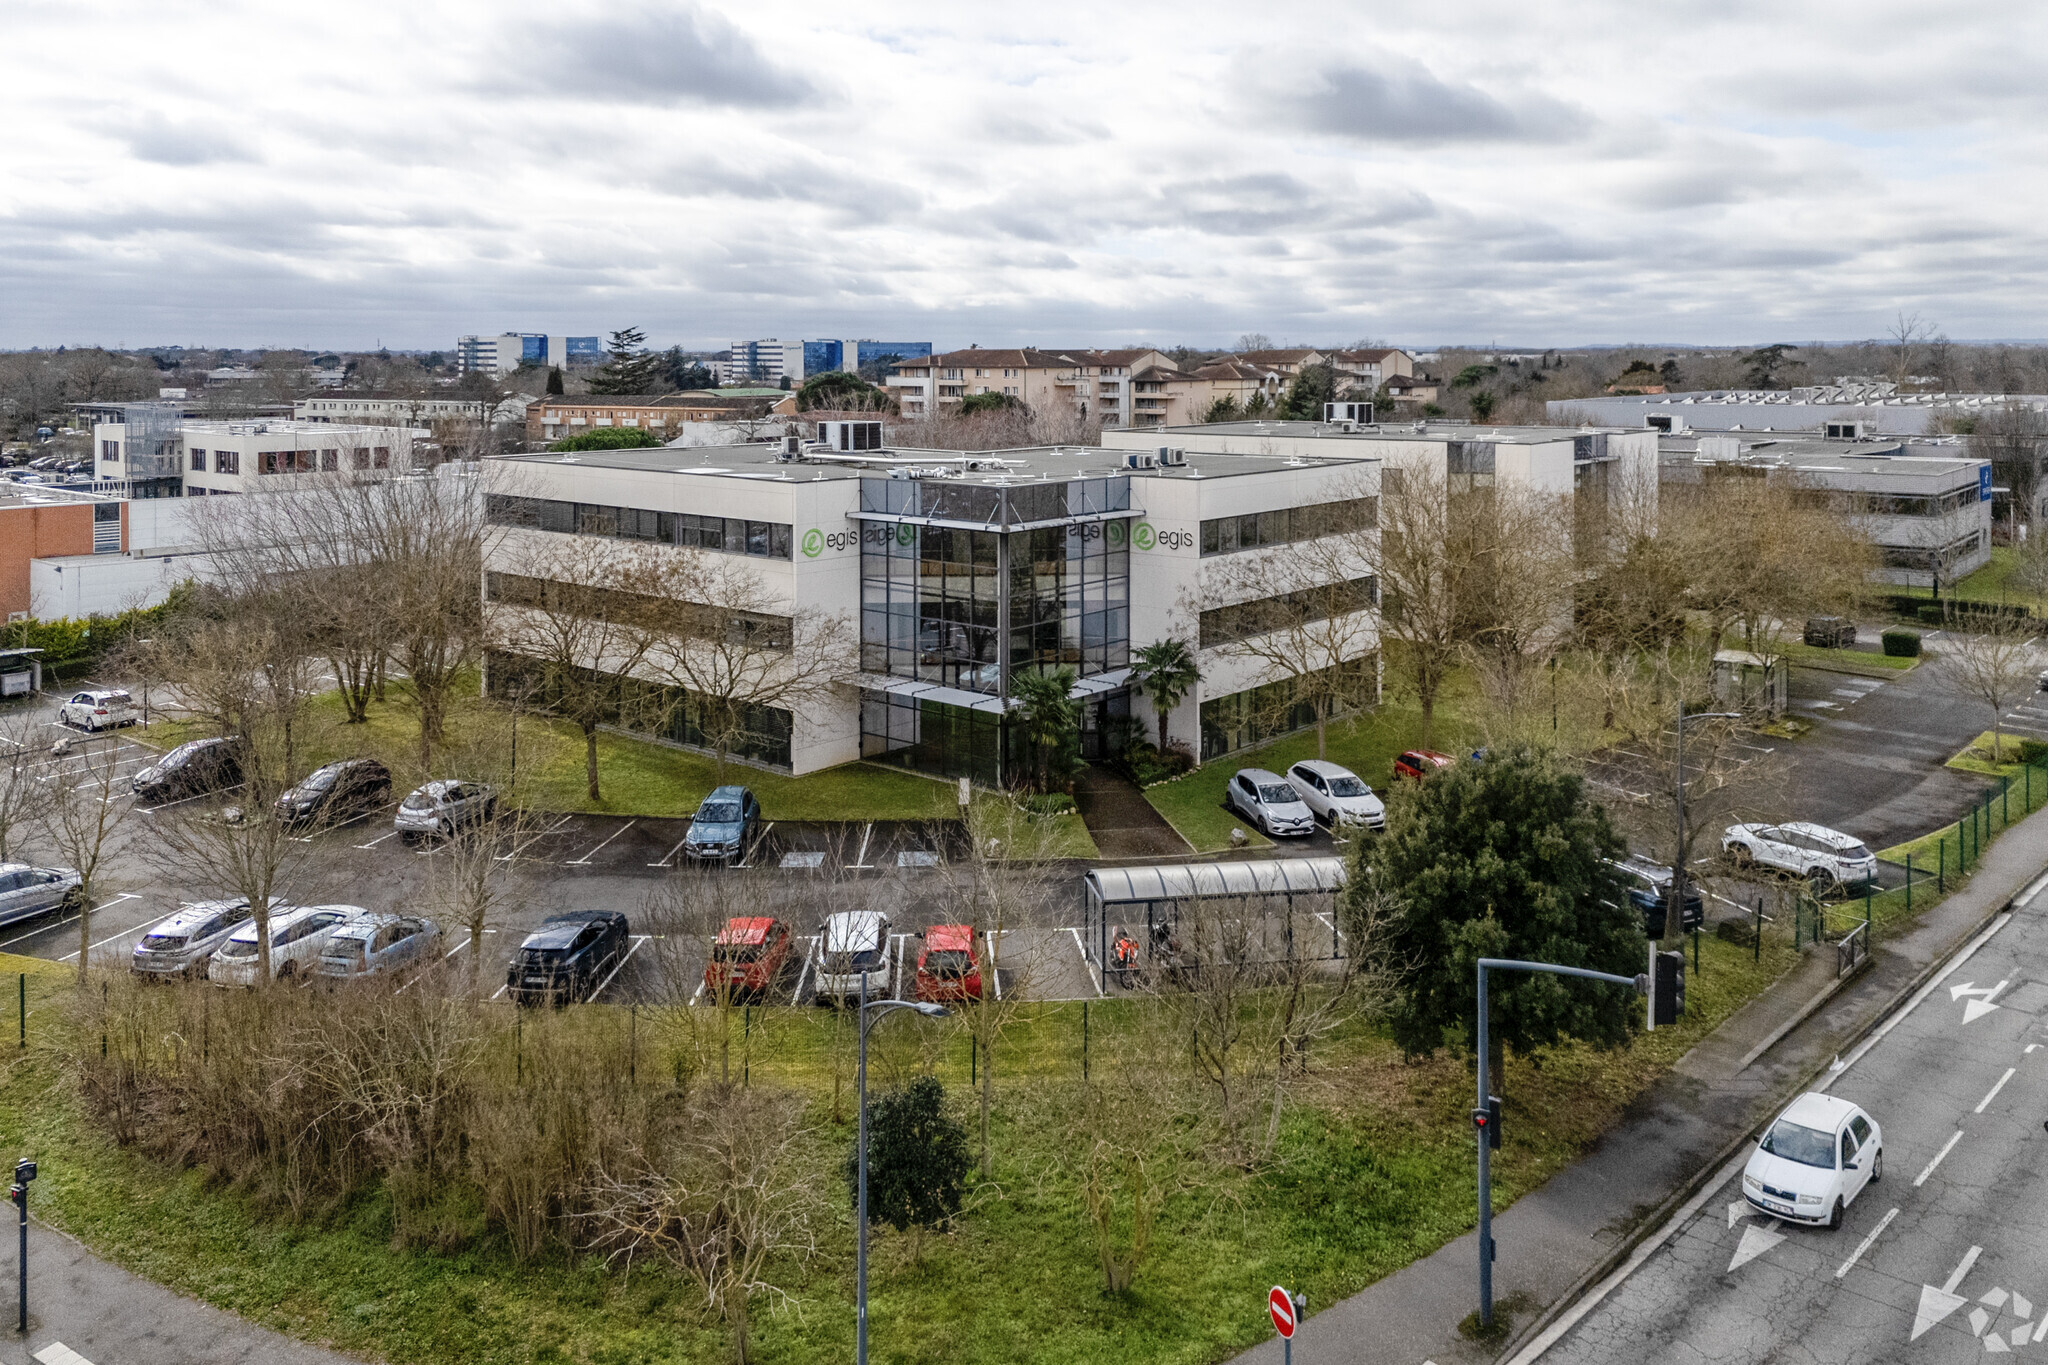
[761,460]
[38,495]
[1397,431]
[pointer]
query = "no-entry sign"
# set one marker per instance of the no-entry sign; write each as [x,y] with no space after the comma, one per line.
[1281,1306]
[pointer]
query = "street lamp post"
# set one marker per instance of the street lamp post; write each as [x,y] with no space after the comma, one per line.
[860,1255]
[1640,984]
[1678,859]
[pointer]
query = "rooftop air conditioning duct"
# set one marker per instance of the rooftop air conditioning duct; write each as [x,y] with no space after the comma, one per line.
[1172,457]
[1140,459]
[851,435]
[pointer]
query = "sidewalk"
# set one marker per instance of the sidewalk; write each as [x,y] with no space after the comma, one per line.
[110,1317]
[1553,1242]
[1121,821]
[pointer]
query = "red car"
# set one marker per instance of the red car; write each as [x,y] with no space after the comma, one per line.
[946,965]
[1420,763]
[748,957]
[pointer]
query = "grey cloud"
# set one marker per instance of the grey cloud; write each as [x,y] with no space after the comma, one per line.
[851,196]
[157,139]
[1403,101]
[653,53]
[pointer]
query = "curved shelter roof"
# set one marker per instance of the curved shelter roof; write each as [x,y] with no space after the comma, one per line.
[1188,881]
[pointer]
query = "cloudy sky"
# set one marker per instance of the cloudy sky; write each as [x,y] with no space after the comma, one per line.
[251,174]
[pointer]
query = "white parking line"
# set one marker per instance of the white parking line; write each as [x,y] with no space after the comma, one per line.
[1946,1147]
[860,859]
[125,896]
[667,858]
[379,839]
[639,940]
[994,966]
[584,861]
[57,1353]
[896,983]
[1094,979]
[1865,1244]
[760,837]
[185,800]
[528,842]
[810,947]
[18,938]
[1985,1102]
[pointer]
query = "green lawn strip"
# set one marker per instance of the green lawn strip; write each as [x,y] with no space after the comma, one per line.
[1989,584]
[1367,745]
[1373,1170]
[1847,660]
[635,777]
[1975,757]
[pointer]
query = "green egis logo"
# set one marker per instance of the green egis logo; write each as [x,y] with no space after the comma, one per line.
[1114,532]
[906,534]
[814,543]
[1143,536]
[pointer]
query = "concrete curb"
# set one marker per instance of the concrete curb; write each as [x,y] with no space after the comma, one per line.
[1656,1217]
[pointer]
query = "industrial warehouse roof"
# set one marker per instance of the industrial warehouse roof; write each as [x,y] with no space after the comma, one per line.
[1186,881]
[1393,431]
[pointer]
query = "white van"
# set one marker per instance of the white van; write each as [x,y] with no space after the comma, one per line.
[852,945]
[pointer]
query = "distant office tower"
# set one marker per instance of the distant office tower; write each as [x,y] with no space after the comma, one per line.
[506,352]
[822,357]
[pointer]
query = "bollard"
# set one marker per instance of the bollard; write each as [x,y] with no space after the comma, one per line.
[22,1001]
[1758,954]
[1084,1040]
[1909,883]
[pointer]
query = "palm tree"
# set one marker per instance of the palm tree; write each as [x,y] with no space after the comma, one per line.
[1167,672]
[1050,715]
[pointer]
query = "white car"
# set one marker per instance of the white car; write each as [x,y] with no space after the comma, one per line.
[1815,852]
[1814,1160]
[98,709]
[26,891]
[1334,794]
[853,944]
[1266,800]
[296,938]
[180,945]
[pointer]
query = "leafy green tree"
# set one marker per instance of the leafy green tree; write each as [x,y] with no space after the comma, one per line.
[684,373]
[988,402]
[1471,375]
[1762,366]
[1167,672]
[1224,409]
[632,368]
[555,380]
[1506,857]
[1314,386]
[842,391]
[918,1158]
[608,438]
[1482,405]
[1051,719]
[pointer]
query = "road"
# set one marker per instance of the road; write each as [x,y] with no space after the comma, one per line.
[1945,1260]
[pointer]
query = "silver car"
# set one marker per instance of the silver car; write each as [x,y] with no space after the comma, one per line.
[296,940]
[443,806]
[379,945]
[26,890]
[181,945]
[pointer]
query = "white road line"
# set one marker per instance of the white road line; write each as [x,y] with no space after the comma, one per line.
[528,842]
[666,858]
[896,983]
[760,837]
[860,859]
[185,800]
[1969,951]
[639,941]
[810,947]
[1093,977]
[379,839]
[1945,1148]
[1864,1245]
[995,967]
[127,896]
[458,948]
[57,1353]
[501,990]
[584,861]
[34,932]
[1962,1269]
[1993,1094]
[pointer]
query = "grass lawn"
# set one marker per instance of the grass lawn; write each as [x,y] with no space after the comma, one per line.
[1848,660]
[2011,757]
[1989,584]
[1373,1170]
[635,777]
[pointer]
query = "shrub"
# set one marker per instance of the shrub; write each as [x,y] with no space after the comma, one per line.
[1901,644]
[1047,803]
[1929,613]
[608,438]
[1144,764]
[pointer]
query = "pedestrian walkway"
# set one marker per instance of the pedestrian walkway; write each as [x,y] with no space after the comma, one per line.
[1121,821]
[1554,1241]
[83,1309]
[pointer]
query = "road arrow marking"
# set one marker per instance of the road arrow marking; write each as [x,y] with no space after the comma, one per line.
[1755,1242]
[1994,1298]
[1972,988]
[1740,1210]
[1976,1010]
[1994,1344]
[1937,1304]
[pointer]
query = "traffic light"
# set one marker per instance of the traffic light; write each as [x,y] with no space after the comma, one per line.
[1670,998]
[1487,1121]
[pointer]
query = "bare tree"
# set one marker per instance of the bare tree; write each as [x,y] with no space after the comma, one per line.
[1904,339]
[1989,656]
[430,536]
[1517,606]
[21,790]
[1422,569]
[85,816]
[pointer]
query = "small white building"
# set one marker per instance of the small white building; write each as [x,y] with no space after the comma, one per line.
[159,453]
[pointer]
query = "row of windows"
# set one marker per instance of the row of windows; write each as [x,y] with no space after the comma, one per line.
[1279,708]
[1919,557]
[951,500]
[727,535]
[224,461]
[687,620]
[1303,606]
[669,713]
[1288,525]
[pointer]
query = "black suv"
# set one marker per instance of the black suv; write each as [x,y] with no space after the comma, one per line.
[567,957]
[192,769]
[336,793]
[1830,632]
[1649,890]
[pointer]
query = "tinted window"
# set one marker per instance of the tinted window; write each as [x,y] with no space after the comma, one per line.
[1278,793]
[1348,786]
[1807,1146]
[1860,1129]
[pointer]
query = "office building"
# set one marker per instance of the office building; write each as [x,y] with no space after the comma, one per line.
[407,410]
[823,357]
[761,362]
[159,453]
[664,414]
[506,352]
[1849,407]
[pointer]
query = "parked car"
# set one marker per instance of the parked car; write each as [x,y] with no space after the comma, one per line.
[748,957]
[1649,890]
[181,945]
[26,891]
[444,806]
[566,958]
[1420,763]
[946,966]
[723,827]
[1826,857]
[1334,794]
[336,793]
[1813,1162]
[1265,799]
[1830,632]
[853,946]
[378,945]
[98,709]
[296,938]
[194,768]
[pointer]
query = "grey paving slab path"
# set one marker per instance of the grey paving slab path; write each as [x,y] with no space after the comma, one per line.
[111,1317]
[1121,821]
[1551,1242]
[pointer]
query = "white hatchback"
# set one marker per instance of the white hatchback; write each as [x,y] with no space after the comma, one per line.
[1334,794]
[98,709]
[1822,855]
[1268,801]
[1814,1160]
[296,938]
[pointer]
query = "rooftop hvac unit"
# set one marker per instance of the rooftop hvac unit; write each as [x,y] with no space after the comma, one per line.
[851,435]
[1669,423]
[1846,431]
[1360,413]
[1140,459]
[1172,457]
[792,448]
